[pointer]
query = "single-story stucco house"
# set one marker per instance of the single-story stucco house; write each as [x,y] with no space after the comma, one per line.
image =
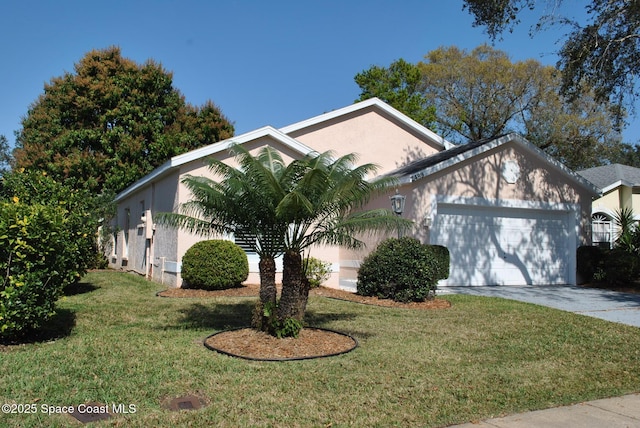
[619,187]
[508,213]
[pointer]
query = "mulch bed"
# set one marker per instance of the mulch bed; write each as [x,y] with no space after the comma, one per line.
[256,345]
[311,343]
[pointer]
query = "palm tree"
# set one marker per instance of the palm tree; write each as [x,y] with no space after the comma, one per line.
[242,201]
[324,206]
[288,208]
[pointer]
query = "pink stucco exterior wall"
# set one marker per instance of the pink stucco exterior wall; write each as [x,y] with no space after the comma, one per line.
[378,138]
[373,135]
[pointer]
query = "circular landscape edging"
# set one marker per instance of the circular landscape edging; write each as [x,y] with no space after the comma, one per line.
[343,350]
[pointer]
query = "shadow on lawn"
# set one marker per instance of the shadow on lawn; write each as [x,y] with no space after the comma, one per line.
[58,326]
[238,315]
[79,288]
[217,317]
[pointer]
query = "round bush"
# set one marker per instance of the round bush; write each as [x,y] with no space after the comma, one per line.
[214,265]
[316,271]
[403,270]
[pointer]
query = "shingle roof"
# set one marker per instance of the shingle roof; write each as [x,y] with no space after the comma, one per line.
[421,164]
[605,176]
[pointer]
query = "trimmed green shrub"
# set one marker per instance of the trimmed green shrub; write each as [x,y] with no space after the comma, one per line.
[620,266]
[403,270]
[214,265]
[612,266]
[37,261]
[316,271]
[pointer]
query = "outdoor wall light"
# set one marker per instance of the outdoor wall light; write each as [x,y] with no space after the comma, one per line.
[426,222]
[397,203]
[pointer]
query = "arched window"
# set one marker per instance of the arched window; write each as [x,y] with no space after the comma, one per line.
[602,230]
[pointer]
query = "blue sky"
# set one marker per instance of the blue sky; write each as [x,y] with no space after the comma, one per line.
[262,62]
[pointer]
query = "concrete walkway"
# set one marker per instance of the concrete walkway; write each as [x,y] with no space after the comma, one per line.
[610,413]
[605,304]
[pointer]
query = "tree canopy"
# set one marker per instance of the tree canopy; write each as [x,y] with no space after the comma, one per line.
[601,53]
[111,122]
[5,156]
[483,94]
[399,86]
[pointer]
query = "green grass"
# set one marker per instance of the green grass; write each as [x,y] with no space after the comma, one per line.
[480,358]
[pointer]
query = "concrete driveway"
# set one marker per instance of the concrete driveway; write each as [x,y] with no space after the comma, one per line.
[605,304]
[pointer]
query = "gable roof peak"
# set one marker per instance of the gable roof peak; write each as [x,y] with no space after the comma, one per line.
[375,103]
[425,167]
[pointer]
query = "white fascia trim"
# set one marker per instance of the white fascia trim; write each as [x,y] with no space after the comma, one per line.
[615,185]
[376,102]
[212,149]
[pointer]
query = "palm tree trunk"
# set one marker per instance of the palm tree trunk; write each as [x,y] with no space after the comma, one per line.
[268,294]
[291,304]
[268,291]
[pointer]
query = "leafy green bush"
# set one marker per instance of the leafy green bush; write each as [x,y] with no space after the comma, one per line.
[36,261]
[612,266]
[316,271]
[620,266]
[589,260]
[403,270]
[84,211]
[264,318]
[214,265]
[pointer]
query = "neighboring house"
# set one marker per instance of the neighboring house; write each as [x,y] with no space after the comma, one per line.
[508,213]
[619,187]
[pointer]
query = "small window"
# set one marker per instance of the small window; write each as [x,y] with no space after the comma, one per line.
[601,230]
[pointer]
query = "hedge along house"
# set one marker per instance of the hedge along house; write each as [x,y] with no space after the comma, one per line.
[507,212]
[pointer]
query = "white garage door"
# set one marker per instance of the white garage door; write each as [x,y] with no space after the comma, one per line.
[505,246]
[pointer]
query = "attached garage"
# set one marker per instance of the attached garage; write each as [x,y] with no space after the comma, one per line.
[508,213]
[506,246]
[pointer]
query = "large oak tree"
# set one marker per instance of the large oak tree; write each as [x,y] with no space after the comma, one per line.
[483,94]
[111,122]
[602,52]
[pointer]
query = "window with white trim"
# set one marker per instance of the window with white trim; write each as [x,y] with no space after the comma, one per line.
[601,230]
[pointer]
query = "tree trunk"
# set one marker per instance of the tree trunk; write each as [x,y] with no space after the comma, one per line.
[268,291]
[268,295]
[291,304]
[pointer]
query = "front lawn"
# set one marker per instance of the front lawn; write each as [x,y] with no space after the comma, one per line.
[480,358]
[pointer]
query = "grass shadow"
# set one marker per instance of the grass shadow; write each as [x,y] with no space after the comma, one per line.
[79,288]
[217,317]
[324,320]
[320,319]
[60,325]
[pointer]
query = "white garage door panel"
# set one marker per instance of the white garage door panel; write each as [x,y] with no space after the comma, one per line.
[504,246]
